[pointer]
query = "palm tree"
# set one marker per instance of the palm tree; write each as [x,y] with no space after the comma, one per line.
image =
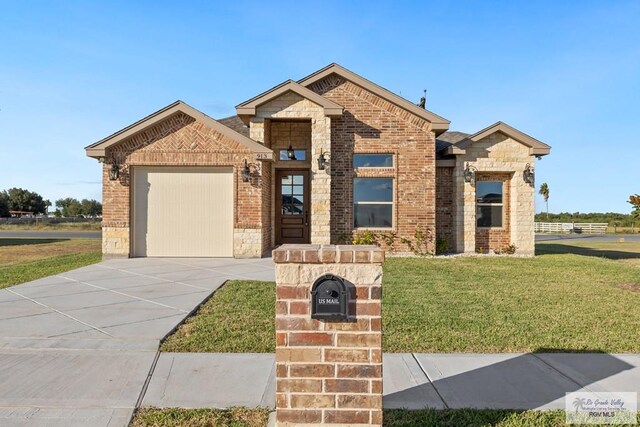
[544,192]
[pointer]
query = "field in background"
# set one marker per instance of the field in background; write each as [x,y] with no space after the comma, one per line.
[48,226]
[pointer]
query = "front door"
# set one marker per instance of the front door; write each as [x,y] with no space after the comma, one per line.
[292,206]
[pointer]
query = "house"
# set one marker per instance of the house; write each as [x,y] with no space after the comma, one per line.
[313,161]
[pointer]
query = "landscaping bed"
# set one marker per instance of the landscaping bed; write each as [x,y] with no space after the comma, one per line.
[569,298]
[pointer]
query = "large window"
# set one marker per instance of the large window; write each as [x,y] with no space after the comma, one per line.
[489,203]
[372,160]
[373,202]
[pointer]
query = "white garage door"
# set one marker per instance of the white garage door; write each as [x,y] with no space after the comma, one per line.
[182,212]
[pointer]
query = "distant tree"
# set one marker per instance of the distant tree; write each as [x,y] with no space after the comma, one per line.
[544,192]
[634,200]
[47,204]
[69,207]
[25,200]
[4,204]
[91,208]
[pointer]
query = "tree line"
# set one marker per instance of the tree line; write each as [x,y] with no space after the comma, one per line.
[21,200]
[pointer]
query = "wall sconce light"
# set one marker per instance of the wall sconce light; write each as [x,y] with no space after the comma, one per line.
[322,161]
[470,174]
[246,173]
[114,171]
[529,175]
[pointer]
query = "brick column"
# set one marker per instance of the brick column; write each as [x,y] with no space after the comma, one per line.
[328,372]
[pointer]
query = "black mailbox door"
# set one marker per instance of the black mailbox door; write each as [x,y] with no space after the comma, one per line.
[329,298]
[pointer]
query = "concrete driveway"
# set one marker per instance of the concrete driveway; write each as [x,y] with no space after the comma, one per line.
[76,349]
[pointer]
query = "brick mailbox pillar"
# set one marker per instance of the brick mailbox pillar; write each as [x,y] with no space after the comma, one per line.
[328,371]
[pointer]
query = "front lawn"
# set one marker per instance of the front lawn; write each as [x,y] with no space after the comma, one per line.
[23,260]
[176,417]
[236,417]
[569,298]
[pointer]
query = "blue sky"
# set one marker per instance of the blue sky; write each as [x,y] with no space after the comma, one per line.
[567,73]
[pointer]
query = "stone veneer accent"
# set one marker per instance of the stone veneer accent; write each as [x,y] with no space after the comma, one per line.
[328,372]
[496,153]
[293,106]
[179,140]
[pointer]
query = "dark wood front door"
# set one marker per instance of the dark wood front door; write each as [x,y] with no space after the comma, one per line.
[292,206]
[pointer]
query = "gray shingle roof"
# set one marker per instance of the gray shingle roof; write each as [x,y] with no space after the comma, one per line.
[236,124]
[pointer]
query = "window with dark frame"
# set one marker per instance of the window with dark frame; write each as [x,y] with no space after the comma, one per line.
[489,206]
[373,160]
[299,154]
[373,202]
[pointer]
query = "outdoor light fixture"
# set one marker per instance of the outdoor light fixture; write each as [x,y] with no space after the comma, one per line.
[114,171]
[245,172]
[470,173]
[529,175]
[290,153]
[322,161]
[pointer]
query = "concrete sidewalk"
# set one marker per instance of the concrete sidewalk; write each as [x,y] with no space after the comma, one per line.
[413,381]
[76,349]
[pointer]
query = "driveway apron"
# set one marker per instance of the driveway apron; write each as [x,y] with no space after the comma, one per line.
[76,349]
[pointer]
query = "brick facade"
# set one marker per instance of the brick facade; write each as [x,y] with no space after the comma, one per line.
[373,125]
[444,206]
[180,140]
[424,196]
[326,371]
[496,238]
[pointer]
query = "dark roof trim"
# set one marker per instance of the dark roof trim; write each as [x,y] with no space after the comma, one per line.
[99,148]
[438,123]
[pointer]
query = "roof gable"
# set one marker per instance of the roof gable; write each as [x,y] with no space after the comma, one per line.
[99,148]
[248,108]
[438,123]
[537,148]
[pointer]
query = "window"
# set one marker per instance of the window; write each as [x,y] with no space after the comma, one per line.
[373,160]
[489,203]
[298,154]
[373,202]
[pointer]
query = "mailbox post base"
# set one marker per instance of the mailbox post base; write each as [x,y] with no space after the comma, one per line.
[328,371]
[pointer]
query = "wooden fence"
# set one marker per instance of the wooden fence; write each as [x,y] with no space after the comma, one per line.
[571,227]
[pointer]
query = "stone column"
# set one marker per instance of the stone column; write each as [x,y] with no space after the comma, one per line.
[328,372]
[320,181]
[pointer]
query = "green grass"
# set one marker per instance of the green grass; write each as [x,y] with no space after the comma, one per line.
[556,302]
[172,417]
[474,418]
[238,319]
[23,260]
[175,417]
[26,272]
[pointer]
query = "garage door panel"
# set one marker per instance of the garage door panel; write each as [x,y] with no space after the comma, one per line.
[183,212]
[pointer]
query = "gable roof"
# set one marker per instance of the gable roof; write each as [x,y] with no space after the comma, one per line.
[99,148]
[248,108]
[536,148]
[438,123]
